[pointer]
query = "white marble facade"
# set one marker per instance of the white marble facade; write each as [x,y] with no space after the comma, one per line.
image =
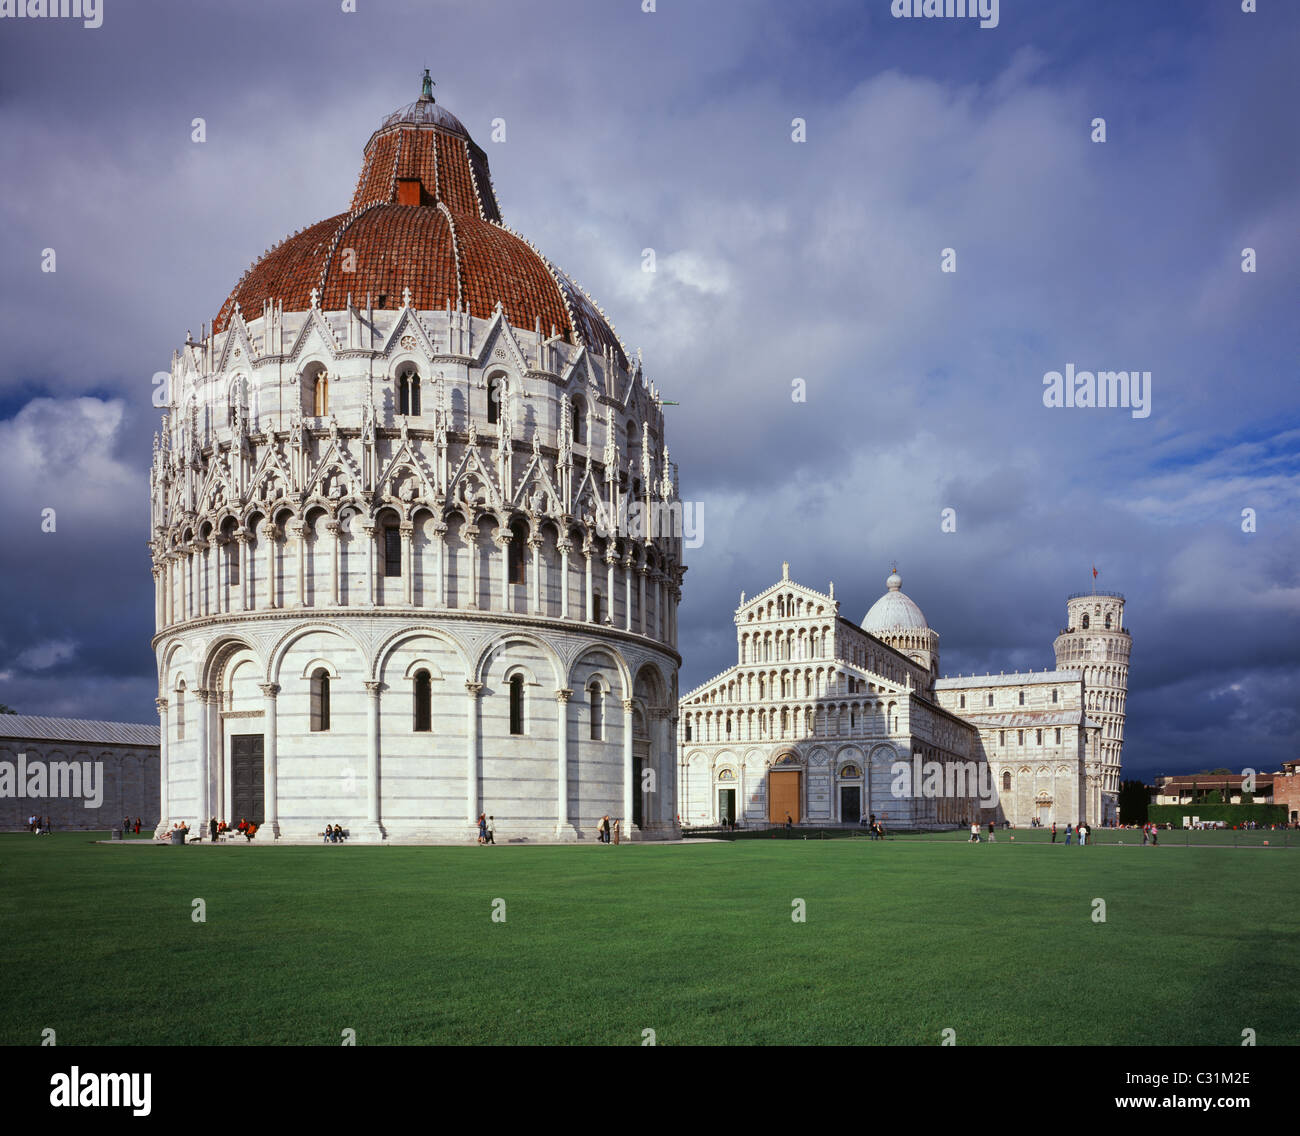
[829,707]
[399,571]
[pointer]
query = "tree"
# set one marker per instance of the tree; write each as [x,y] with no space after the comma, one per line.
[5,709]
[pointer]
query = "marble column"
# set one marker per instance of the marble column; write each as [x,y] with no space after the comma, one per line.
[272,591]
[536,547]
[629,567]
[440,568]
[407,529]
[298,529]
[562,824]
[588,552]
[164,737]
[270,811]
[502,541]
[245,567]
[368,535]
[471,543]
[204,803]
[610,559]
[642,572]
[473,689]
[335,531]
[372,757]
[627,766]
[564,547]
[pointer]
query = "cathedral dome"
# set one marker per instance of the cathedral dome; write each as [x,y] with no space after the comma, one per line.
[424,216]
[894,609]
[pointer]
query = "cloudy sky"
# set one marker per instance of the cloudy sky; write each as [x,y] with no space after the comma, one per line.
[776,260]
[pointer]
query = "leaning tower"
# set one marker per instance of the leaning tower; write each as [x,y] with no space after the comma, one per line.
[1096,642]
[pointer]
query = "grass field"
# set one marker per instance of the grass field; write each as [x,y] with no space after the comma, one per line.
[903,939]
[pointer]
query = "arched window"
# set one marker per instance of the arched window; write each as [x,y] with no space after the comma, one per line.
[392,550]
[1022,698]
[1054,694]
[579,421]
[963,702]
[595,607]
[320,395]
[990,700]
[320,700]
[1108,621]
[496,388]
[232,562]
[423,702]
[517,704]
[1006,782]
[596,701]
[408,392]
[688,729]
[180,712]
[1085,622]
[515,554]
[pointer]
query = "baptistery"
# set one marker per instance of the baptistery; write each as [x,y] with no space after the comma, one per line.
[416,533]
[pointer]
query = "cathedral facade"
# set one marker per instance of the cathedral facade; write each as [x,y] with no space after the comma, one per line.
[416,541]
[827,722]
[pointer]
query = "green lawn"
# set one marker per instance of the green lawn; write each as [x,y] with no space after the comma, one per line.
[903,939]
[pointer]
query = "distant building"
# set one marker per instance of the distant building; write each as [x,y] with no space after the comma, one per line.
[82,775]
[1196,788]
[819,716]
[1286,789]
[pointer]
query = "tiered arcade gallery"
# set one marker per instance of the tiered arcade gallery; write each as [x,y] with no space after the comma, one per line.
[402,570]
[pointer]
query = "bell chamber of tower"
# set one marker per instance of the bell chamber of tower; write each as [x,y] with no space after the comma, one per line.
[399,577]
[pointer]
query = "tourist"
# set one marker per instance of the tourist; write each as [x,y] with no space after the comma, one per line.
[482,828]
[1069,833]
[490,830]
[604,829]
[49,826]
[789,822]
[1153,835]
[1053,832]
[992,833]
[137,826]
[618,827]
[328,835]
[974,833]
[250,831]
[212,829]
[339,836]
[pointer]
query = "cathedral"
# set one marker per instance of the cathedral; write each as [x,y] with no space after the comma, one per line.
[825,721]
[395,584]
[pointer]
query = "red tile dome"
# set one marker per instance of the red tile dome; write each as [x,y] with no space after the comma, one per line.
[423,217]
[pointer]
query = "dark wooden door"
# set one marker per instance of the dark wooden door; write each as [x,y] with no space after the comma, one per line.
[247,796]
[850,803]
[726,804]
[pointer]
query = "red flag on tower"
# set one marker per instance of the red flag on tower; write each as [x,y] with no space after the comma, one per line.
[1094,571]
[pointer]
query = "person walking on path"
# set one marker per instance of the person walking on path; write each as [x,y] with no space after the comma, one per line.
[618,825]
[992,834]
[1053,832]
[1153,834]
[974,834]
[490,830]
[482,828]
[1068,833]
[212,830]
